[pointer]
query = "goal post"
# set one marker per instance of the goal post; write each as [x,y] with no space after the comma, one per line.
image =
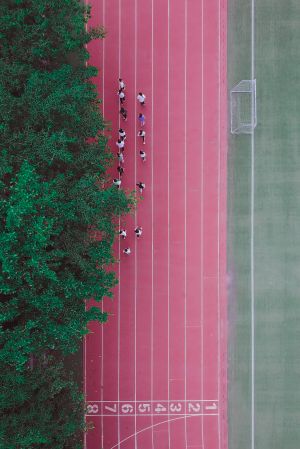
[243,107]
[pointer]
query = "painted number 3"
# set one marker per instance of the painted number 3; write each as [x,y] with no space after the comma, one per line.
[175,408]
[92,408]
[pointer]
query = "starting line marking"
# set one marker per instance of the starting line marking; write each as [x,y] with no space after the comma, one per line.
[152,408]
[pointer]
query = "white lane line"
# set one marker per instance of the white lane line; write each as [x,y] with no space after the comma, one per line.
[185,218]
[135,216]
[252,238]
[152,213]
[218,216]
[168,165]
[119,243]
[201,208]
[102,308]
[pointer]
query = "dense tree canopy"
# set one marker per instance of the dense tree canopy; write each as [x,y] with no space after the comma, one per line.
[55,197]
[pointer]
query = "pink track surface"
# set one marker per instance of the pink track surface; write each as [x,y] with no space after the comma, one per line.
[155,374]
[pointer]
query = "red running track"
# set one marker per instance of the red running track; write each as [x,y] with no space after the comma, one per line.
[155,374]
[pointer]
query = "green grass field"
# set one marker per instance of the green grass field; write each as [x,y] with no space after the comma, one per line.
[276,229]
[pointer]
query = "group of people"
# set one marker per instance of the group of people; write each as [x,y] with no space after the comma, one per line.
[141,98]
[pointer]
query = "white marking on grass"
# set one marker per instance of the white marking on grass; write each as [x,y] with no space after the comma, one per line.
[252,238]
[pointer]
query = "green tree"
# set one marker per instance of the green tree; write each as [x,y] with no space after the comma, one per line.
[58,211]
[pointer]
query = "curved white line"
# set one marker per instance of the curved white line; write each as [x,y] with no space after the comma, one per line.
[154,425]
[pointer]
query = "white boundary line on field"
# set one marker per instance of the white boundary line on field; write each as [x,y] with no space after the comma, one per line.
[252,239]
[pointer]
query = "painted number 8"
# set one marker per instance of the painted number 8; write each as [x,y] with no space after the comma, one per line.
[92,408]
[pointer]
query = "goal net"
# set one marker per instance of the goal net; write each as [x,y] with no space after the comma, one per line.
[243,107]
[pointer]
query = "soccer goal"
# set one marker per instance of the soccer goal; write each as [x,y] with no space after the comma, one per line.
[243,107]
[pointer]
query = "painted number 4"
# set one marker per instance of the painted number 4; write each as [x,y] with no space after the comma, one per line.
[160,408]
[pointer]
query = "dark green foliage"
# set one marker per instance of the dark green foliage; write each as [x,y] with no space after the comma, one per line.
[58,214]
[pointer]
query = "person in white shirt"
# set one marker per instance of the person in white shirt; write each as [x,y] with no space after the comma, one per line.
[142,134]
[141,98]
[122,134]
[121,84]
[143,155]
[121,96]
[127,251]
[117,182]
[120,144]
[123,233]
[138,231]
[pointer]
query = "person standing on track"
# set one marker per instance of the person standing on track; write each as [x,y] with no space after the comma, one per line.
[141,119]
[120,170]
[141,98]
[142,134]
[120,157]
[138,231]
[122,134]
[123,113]
[127,251]
[121,96]
[117,182]
[121,84]
[143,155]
[123,233]
[141,186]
[120,144]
